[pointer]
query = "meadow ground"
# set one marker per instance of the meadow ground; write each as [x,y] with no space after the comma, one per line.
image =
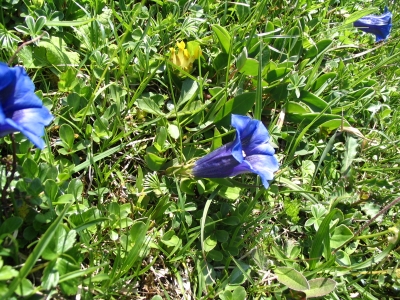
[139,91]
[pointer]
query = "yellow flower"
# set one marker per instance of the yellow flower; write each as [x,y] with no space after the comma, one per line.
[185,57]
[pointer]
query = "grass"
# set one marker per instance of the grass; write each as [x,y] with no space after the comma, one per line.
[106,212]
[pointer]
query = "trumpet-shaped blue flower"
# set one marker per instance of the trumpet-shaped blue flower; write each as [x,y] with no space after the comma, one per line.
[20,109]
[249,152]
[378,25]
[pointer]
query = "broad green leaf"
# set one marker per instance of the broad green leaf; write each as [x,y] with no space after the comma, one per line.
[7,272]
[137,236]
[149,105]
[24,289]
[51,189]
[343,259]
[315,103]
[276,74]
[226,295]
[297,108]
[317,119]
[340,236]
[320,287]
[10,225]
[241,59]
[61,242]
[239,293]
[68,23]
[349,154]
[250,67]
[237,276]
[291,279]
[239,105]
[319,48]
[215,255]
[173,131]
[30,168]
[209,243]
[323,80]
[170,239]
[67,136]
[51,276]
[230,193]
[188,92]
[221,235]
[321,240]
[359,14]
[154,162]
[223,37]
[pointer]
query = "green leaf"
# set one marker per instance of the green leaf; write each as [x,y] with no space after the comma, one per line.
[318,49]
[154,162]
[241,59]
[188,92]
[324,79]
[237,276]
[340,236]
[317,119]
[343,259]
[24,289]
[35,254]
[67,136]
[61,242]
[137,236]
[170,239]
[51,276]
[297,108]
[320,287]
[223,37]
[321,239]
[10,225]
[359,14]
[276,74]
[68,23]
[30,168]
[239,293]
[51,189]
[173,131]
[149,105]
[215,255]
[226,295]
[239,105]
[250,67]
[230,193]
[291,279]
[315,103]
[349,154]
[209,243]
[98,157]
[7,272]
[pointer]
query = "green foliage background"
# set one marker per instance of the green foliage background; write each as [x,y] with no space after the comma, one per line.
[100,214]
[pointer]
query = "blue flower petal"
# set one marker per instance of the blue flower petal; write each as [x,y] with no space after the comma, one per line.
[263,165]
[6,77]
[20,109]
[249,152]
[23,95]
[217,164]
[380,26]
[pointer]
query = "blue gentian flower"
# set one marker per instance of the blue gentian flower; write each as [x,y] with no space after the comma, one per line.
[249,152]
[20,109]
[378,25]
